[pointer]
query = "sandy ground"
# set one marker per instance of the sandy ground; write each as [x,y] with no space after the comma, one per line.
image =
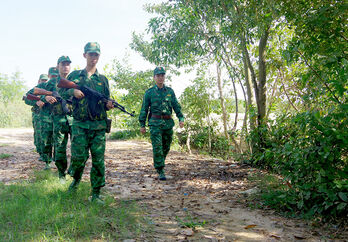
[199,190]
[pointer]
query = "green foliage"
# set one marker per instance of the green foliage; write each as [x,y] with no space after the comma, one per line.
[320,43]
[128,134]
[42,210]
[310,151]
[131,87]
[190,222]
[5,156]
[13,111]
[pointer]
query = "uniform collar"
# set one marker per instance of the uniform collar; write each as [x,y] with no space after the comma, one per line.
[84,73]
[158,89]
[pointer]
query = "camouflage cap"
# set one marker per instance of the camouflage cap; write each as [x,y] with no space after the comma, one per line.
[43,77]
[92,47]
[63,58]
[159,70]
[53,71]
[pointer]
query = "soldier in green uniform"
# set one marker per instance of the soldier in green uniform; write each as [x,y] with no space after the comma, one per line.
[61,121]
[46,124]
[36,117]
[158,104]
[88,129]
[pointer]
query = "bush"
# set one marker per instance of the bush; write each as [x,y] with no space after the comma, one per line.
[310,151]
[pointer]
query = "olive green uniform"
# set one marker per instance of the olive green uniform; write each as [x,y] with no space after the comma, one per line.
[36,124]
[158,104]
[61,128]
[88,131]
[46,128]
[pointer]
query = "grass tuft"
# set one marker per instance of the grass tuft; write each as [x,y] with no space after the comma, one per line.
[5,156]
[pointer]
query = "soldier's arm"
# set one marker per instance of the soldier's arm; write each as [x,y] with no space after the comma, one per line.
[30,102]
[177,108]
[144,109]
[68,93]
[49,86]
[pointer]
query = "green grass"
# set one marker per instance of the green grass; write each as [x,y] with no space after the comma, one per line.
[190,222]
[42,210]
[5,156]
[4,144]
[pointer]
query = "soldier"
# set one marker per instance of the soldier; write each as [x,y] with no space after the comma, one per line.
[36,117]
[88,130]
[158,103]
[46,127]
[61,121]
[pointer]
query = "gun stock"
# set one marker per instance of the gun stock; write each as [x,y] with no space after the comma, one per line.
[40,91]
[33,97]
[64,83]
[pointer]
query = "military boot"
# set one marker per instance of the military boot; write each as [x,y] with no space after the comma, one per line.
[73,186]
[47,166]
[96,198]
[161,175]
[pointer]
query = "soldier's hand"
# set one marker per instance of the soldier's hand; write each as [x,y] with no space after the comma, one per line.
[181,124]
[50,99]
[40,104]
[78,94]
[143,130]
[109,105]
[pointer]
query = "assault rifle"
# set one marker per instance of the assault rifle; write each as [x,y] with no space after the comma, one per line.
[93,96]
[56,95]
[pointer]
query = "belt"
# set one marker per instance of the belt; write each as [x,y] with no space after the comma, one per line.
[161,116]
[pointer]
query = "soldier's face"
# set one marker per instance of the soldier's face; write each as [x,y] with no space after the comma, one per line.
[92,58]
[159,78]
[64,67]
[42,81]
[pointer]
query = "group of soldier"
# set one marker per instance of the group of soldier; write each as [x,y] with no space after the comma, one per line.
[54,121]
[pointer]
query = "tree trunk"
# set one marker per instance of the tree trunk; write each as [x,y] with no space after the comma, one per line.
[188,142]
[208,121]
[261,104]
[222,100]
[252,121]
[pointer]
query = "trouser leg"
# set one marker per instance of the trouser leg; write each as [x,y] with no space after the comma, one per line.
[97,147]
[79,151]
[157,147]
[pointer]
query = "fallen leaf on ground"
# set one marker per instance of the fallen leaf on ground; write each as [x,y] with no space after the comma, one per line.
[250,226]
[275,236]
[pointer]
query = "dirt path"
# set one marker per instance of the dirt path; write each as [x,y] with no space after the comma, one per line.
[199,190]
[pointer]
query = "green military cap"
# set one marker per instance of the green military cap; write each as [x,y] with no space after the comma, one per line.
[159,70]
[92,47]
[43,77]
[53,71]
[63,58]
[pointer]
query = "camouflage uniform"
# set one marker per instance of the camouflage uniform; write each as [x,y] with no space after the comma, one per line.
[61,125]
[36,124]
[46,130]
[158,104]
[46,124]
[36,120]
[88,132]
